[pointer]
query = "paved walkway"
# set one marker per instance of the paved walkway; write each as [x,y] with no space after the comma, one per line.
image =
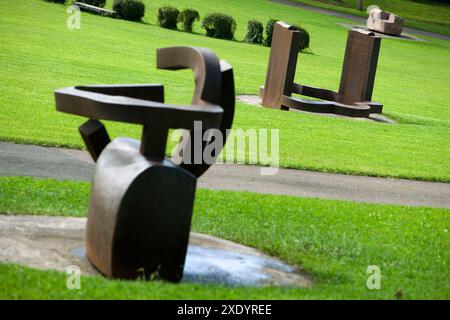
[56,163]
[356,18]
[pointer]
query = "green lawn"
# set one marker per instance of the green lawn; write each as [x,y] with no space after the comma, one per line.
[333,241]
[424,14]
[39,54]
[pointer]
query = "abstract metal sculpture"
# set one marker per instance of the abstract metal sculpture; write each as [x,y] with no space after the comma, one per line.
[141,202]
[357,79]
[385,22]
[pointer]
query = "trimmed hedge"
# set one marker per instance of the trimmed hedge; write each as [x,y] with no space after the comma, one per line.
[96,3]
[168,17]
[269,32]
[304,36]
[187,17]
[304,39]
[132,10]
[219,25]
[255,31]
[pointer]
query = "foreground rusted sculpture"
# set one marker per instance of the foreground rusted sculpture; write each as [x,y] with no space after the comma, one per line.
[385,22]
[141,202]
[357,79]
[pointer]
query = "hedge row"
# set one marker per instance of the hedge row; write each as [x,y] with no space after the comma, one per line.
[223,26]
[217,25]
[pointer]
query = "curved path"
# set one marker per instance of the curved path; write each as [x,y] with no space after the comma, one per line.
[356,18]
[27,160]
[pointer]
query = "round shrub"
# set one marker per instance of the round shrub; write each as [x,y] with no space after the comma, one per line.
[129,9]
[168,17]
[304,39]
[255,31]
[97,3]
[269,32]
[187,18]
[219,25]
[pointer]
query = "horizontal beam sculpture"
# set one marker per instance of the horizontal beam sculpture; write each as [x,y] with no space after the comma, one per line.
[141,202]
[358,75]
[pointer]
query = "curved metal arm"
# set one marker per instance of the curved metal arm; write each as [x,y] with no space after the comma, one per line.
[214,84]
[98,106]
[136,104]
[152,92]
[227,102]
[203,62]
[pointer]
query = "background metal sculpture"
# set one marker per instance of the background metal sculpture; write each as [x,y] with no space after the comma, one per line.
[357,79]
[141,202]
[385,22]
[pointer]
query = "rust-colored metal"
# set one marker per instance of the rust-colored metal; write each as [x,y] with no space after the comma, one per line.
[141,202]
[357,80]
[282,64]
[358,70]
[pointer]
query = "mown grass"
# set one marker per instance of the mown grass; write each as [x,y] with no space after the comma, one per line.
[333,241]
[425,15]
[39,54]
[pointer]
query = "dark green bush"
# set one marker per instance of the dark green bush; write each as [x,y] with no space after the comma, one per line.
[97,3]
[219,25]
[132,10]
[269,32]
[304,36]
[57,1]
[255,31]
[187,18]
[168,17]
[304,39]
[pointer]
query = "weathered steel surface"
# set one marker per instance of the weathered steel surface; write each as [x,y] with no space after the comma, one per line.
[359,68]
[357,79]
[282,64]
[95,137]
[141,202]
[139,214]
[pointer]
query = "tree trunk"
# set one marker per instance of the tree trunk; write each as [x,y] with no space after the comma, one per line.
[360,5]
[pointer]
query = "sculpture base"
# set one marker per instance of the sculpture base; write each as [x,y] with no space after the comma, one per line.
[55,243]
[402,36]
[357,110]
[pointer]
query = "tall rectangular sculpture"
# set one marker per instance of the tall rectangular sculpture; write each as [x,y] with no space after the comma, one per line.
[357,79]
[359,67]
[282,65]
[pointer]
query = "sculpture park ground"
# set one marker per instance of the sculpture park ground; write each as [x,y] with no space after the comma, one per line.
[333,241]
[425,15]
